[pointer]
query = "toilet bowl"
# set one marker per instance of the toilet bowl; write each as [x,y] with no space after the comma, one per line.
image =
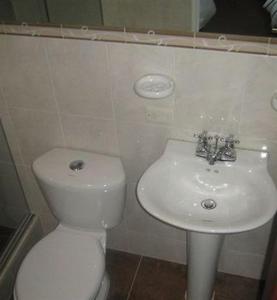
[85,192]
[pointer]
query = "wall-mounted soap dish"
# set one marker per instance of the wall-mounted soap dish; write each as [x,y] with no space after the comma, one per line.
[154,86]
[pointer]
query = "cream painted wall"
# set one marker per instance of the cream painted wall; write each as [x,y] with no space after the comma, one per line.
[157,14]
[31,11]
[84,12]
[79,94]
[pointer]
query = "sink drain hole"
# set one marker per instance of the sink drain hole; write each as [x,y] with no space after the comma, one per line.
[208,204]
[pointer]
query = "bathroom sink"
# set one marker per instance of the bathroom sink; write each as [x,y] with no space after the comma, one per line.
[185,191]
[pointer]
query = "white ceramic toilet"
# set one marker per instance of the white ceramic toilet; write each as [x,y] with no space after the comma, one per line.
[86,192]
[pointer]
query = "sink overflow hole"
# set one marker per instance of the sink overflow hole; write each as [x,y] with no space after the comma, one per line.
[77,165]
[208,204]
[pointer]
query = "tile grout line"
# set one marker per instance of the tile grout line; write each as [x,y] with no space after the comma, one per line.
[134,279]
[111,90]
[53,90]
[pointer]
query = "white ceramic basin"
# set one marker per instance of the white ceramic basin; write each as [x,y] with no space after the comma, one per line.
[173,188]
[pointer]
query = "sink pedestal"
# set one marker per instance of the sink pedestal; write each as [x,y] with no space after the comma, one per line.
[203,253]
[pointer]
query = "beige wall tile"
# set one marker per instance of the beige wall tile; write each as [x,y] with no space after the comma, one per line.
[24,75]
[117,237]
[258,118]
[209,89]
[140,145]
[254,241]
[80,76]
[90,134]
[215,111]
[155,246]
[240,263]
[204,71]
[38,132]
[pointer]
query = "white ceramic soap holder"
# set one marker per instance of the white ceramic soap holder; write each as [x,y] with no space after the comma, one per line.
[154,86]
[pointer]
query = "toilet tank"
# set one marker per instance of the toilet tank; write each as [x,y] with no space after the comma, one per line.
[83,189]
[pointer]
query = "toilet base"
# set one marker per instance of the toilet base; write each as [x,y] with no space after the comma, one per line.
[104,288]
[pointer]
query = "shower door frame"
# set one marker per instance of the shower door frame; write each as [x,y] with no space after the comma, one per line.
[16,237]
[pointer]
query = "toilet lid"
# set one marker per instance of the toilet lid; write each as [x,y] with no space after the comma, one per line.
[62,266]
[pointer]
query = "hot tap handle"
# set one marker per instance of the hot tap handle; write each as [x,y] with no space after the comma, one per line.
[203,135]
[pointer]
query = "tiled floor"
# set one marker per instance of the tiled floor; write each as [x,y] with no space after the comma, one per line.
[141,278]
[5,235]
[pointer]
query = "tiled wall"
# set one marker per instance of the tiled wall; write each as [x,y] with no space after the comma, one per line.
[79,94]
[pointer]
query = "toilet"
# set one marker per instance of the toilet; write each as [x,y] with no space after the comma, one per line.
[86,193]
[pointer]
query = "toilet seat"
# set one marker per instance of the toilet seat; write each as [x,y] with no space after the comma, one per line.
[65,265]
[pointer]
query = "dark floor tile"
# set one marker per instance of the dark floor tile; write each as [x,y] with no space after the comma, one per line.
[231,287]
[159,280]
[121,267]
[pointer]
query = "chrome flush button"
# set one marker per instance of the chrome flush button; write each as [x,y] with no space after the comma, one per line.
[208,204]
[77,165]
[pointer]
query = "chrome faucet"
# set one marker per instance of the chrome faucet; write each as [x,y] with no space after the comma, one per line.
[212,151]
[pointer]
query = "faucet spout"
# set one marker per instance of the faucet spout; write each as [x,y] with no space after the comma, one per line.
[212,159]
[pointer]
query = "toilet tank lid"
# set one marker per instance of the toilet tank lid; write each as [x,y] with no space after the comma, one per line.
[76,168]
